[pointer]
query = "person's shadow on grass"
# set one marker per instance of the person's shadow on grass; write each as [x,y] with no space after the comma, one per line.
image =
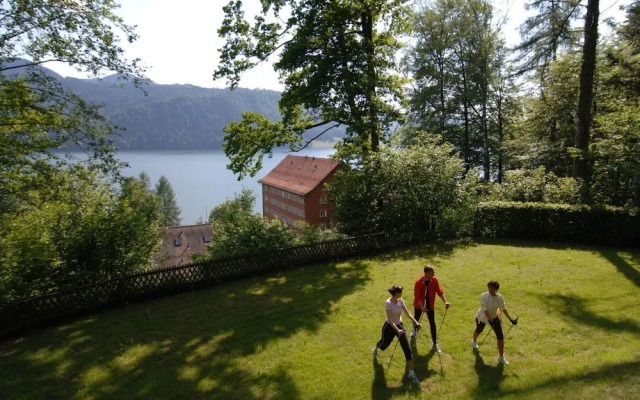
[489,377]
[380,390]
[421,363]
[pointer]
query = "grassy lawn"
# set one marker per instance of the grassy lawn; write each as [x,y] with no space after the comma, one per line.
[308,334]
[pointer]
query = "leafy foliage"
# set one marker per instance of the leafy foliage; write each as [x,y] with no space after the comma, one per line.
[39,115]
[309,234]
[403,189]
[336,60]
[64,221]
[545,33]
[238,231]
[462,87]
[87,231]
[537,186]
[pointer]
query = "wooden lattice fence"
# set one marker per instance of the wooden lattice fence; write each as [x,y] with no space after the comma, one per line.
[20,315]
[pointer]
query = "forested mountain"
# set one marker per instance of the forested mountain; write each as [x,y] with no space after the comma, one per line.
[173,116]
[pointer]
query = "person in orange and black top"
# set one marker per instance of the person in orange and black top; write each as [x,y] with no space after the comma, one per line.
[424,292]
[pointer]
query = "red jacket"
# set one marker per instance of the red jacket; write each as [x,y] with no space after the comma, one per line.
[419,290]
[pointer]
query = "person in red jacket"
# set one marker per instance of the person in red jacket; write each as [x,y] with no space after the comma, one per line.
[424,292]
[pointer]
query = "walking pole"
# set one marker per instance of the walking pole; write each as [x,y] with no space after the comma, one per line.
[485,336]
[512,325]
[441,322]
[392,354]
[418,333]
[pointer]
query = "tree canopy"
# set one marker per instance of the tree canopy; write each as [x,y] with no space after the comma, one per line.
[336,60]
[64,221]
[38,114]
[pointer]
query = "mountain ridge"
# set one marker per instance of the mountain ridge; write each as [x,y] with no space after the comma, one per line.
[172,117]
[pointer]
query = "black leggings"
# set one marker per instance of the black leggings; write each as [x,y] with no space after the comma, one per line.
[417,312]
[388,333]
[497,328]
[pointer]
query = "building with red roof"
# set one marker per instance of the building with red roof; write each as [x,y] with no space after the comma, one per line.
[295,190]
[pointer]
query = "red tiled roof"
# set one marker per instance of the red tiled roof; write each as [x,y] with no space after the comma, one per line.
[299,174]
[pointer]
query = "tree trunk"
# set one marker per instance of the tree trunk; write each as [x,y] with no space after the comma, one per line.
[583,122]
[374,123]
[499,172]
[466,150]
[443,105]
[635,187]
[486,159]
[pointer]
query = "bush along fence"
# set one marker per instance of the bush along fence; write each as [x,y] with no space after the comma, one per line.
[559,222]
[20,315]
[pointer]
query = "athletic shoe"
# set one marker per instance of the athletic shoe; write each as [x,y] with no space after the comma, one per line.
[503,360]
[414,333]
[412,376]
[436,348]
[374,351]
[474,344]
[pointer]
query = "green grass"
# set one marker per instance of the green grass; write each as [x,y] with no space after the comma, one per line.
[308,333]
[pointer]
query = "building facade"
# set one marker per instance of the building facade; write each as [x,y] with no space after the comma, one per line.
[295,191]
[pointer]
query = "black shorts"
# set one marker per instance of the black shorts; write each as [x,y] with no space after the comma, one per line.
[497,328]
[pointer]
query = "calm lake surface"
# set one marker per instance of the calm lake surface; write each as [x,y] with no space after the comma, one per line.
[200,179]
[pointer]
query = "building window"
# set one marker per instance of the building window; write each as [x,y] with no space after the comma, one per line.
[323,213]
[323,199]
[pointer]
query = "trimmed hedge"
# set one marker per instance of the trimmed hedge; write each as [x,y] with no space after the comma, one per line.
[558,222]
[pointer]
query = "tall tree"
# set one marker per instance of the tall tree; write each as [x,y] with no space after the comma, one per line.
[546,32]
[428,61]
[145,180]
[504,106]
[84,224]
[630,31]
[168,203]
[39,116]
[615,148]
[337,61]
[584,113]
[533,146]
[454,63]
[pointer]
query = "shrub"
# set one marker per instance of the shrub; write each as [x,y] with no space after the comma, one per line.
[398,189]
[536,186]
[89,232]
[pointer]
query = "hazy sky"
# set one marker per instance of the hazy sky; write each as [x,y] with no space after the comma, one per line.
[178,39]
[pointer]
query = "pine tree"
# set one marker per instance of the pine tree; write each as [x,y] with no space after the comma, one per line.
[145,180]
[169,205]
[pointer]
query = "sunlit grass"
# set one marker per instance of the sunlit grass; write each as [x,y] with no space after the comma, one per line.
[308,333]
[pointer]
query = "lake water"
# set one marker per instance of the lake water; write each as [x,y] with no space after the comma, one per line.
[200,178]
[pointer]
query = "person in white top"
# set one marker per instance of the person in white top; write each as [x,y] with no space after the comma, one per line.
[393,327]
[491,303]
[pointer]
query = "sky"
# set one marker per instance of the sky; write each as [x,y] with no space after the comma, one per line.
[178,41]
